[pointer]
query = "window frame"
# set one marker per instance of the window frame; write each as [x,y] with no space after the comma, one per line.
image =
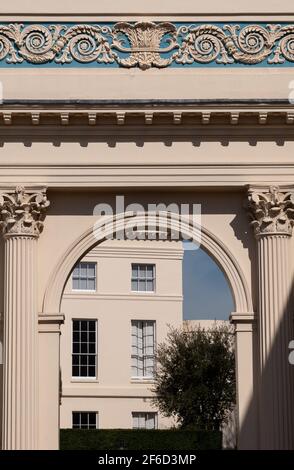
[144,292]
[144,378]
[88,378]
[87,278]
[96,413]
[146,413]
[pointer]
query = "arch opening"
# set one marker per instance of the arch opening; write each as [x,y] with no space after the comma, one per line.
[114,225]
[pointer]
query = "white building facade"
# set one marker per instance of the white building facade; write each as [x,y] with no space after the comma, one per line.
[117,305]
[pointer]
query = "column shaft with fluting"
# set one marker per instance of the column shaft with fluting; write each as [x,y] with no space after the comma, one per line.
[20,400]
[275,332]
[21,218]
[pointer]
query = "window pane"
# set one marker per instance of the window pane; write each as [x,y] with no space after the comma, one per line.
[149,285]
[92,348]
[142,271]
[83,284]
[149,272]
[76,271]
[83,270]
[91,270]
[76,336]
[84,325]
[83,371]
[134,371]
[134,271]
[84,418]
[135,421]
[91,371]
[91,284]
[92,325]
[75,360]
[84,337]
[91,360]
[150,421]
[84,276]
[142,286]
[75,283]
[92,419]
[84,348]
[92,337]
[84,359]
[135,285]
[76,419]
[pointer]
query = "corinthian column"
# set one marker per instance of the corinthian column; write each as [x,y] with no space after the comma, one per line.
[272,214]
[21,218]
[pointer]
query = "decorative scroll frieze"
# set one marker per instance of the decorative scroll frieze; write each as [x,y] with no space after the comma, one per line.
[271,211]
[23,213]
[146,44]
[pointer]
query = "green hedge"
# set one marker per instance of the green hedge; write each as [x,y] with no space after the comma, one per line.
[129,439]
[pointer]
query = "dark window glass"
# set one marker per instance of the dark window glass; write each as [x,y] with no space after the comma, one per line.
[84,420]
[84,357]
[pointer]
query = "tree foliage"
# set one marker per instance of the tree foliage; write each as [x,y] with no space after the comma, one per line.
[195,376]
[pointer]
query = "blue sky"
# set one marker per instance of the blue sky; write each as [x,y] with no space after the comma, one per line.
[206,291]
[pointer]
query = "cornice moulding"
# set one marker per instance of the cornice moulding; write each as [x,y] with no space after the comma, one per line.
[148,116]
[136,297]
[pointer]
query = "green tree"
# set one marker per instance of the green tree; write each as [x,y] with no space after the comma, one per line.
[195,376]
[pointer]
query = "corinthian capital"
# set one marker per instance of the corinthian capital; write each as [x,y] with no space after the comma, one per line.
[23,212]
[271,211]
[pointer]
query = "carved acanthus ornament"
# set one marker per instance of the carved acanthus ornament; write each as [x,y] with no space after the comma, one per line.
[271,211]
[146,44]
[23,213]
[143,42]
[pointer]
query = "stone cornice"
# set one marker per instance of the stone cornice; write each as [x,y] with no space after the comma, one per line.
[271,210]
[22,212]
[144,115]
[146,44]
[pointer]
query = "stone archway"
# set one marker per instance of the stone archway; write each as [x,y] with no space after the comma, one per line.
[113,224]
[219,252]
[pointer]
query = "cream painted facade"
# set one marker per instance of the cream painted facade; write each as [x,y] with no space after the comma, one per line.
[205,133]
[114,394]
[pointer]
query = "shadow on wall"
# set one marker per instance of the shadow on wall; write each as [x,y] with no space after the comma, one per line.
[1,332]
[129,133]
[272,402]
[1,400]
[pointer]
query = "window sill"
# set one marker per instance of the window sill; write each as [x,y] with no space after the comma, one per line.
[143,380]
[83,291]
[85,380]
[143,292]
